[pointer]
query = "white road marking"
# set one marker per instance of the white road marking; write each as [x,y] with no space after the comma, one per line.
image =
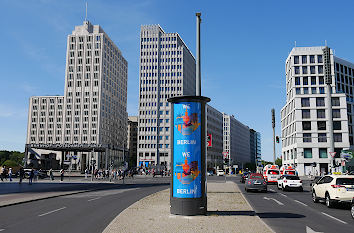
[300,203]
[2,229]
[309,230]
[283,194]
[334,218]
[94,199]
[51,211]
[278,202]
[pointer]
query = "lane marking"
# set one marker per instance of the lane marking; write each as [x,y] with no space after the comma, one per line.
[94,199]
[330,216]
[283,194]
[278,202]
[51,211]
[309,230]
[2,229]
[300,203]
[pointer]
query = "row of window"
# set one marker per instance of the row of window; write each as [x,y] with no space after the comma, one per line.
[304,59]
[321,137]
[321,113]
[305,80]
[321,125]
[320,102]
[305,70]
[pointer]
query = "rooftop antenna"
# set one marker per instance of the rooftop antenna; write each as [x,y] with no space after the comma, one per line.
[326,43]
[295,43]
[86,13]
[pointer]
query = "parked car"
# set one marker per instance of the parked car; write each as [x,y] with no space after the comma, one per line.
[41,174]
[287,182]
[210,173]
[255,181]
[317,178]
[220,173]
[352,208]
[244,177]
[334,189]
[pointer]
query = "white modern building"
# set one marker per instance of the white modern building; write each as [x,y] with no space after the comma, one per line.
[305,116]
[167,69]
[93,108]
[215,132]
[236,141]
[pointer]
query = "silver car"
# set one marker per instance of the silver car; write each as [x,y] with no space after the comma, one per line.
[255,181]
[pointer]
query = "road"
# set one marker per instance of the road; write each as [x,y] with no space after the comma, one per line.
[85,212]
[295,212]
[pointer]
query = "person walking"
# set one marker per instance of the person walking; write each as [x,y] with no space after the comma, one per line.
[86,172]
[10,174]
[1,173]
[62,175]
[22,174]
[51,174]
[31,176]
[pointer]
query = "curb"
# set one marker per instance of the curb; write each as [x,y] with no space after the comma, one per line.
[44,198]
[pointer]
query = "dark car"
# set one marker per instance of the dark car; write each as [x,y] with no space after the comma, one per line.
[243,177]
[255,181]
[352,208]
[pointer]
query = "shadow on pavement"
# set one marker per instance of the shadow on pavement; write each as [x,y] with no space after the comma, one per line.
[279,215]
[231,213]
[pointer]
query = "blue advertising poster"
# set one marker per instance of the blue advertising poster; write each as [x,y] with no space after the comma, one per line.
[186,150]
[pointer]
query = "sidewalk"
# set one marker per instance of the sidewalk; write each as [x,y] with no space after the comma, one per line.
[228,211]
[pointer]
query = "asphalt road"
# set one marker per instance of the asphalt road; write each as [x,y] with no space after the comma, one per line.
[295,212]
[84,212]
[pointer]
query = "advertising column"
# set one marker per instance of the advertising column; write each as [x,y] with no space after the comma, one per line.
[188,188]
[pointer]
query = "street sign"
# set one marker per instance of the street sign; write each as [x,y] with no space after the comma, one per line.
[225,154]
[346,154]
[333,154]
[209,140]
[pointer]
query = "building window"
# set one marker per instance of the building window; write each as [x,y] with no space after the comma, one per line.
[297,81]
[298,90]
[313,90]
[304,59]
[320,69]
[320,102]
[321,125]
[321,80]
[312,58]
[322,90]
[313,80]
[304,69]
[306,125]
[297,70]
[305,102]
[306,90]
[306,137]
[323,153]
[307,153]
[337,137]
[336,113]
[296,59]
[305,81]
[312,70]
[305,113]
[322,137]
[337,125]
[319,59]
[335,101]
[321,113]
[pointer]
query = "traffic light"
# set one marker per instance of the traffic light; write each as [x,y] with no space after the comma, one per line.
[277,139]
[226,161]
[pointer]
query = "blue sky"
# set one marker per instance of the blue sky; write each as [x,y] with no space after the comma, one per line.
[244,47]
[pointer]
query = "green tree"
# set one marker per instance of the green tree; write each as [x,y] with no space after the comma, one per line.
[10,163]
[278,162]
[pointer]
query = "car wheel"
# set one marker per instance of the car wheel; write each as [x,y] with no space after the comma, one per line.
[314,197]
[329,202]
[301,189]
[352,211]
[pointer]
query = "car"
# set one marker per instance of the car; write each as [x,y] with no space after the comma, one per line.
[220,172]
[40,173]
[334,189]
[255,181]
[244,177]
[287,182]
[210,173]
[352,208]
[317,178]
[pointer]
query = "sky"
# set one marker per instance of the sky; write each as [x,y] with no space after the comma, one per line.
[244,47]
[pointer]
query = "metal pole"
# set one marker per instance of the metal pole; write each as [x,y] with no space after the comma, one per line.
[92,170]
[328,80]
[273,126]
[198,69]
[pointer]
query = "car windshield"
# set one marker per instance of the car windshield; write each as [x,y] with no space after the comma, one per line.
[256,177]
[345,181]
[273,172]
[292,178]
[290,172]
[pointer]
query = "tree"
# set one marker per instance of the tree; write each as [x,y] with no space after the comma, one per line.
[279,162]
[10,163]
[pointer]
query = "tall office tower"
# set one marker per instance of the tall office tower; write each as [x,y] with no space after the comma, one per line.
[255,147]
[95,93]
[167,69]
[215,132]
[132,140]
[236,141]
[305,116]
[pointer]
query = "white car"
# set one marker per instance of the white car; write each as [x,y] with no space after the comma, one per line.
[287,182]
[220,173]
[333,189]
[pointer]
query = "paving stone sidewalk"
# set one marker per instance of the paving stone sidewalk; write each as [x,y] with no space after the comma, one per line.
[228,211]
